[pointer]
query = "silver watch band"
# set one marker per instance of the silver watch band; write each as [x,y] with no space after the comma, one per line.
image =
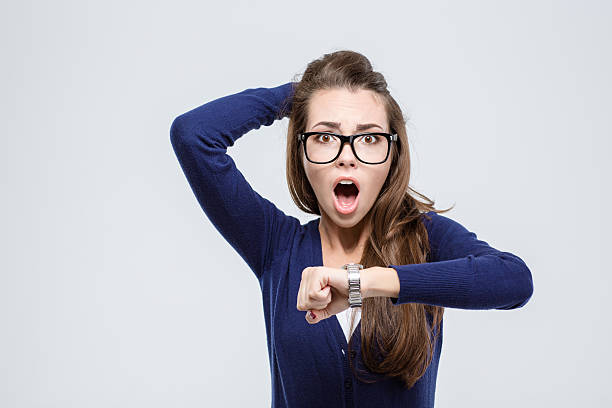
[354,283]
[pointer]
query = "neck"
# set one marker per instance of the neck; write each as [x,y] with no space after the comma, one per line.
[344,241]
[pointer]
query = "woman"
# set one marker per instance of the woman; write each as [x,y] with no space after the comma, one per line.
[415,261]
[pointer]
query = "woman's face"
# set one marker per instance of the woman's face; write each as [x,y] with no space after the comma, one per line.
[349,111]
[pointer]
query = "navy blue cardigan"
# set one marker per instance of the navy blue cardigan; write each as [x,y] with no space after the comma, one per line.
[309,363]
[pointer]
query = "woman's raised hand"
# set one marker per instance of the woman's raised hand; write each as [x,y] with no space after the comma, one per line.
[323,292]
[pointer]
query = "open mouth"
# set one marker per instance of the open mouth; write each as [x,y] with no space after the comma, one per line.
[346,197]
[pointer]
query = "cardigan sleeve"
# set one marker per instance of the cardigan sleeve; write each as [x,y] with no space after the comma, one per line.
[200,138]
[465,272]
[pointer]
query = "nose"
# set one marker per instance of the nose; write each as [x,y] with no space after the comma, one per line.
[346,158]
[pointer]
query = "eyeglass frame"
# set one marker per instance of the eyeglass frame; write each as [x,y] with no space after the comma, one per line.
[391,137]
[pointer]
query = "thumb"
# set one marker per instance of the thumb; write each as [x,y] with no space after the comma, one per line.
[337,305]
[316,315]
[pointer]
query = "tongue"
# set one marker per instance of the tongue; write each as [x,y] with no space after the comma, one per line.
[346,200]
[346,195]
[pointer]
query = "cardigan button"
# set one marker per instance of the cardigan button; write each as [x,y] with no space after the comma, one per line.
[348,384]
[353,353]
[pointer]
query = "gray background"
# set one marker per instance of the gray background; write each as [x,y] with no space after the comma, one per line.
[116,290]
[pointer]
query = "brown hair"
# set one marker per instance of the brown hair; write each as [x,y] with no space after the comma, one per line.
[401,332]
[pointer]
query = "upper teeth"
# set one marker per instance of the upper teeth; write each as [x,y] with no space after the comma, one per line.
[346,182]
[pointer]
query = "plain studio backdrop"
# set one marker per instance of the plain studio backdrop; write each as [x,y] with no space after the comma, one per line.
[116,290]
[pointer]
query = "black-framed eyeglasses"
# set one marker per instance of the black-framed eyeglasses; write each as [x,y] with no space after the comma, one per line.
[325,147]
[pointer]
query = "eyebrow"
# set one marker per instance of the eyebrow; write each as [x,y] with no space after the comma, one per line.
[359,127]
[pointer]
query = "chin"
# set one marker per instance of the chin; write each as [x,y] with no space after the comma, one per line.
[350,223]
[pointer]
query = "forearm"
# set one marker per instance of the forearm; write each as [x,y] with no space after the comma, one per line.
[462,272]
[379,281]
[217,124]
[498,280]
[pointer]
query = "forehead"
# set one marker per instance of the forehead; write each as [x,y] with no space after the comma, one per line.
[346,107]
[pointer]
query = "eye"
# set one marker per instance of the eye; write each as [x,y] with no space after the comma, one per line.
[369,139]
[323,138]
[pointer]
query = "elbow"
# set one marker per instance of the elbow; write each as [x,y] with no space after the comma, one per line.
[509,287]
[524,297]
[522,288]
[186,134]
[527,288]
[528,285]
[183,136]
[177,133]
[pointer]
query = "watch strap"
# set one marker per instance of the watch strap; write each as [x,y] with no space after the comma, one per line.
[354,284]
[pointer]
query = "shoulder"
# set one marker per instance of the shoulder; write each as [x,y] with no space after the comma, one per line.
[446,236]
[437,225]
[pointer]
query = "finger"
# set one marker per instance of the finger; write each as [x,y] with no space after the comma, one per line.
[325,293]
[320,299]
[302,298]
[314,316]
[337,305]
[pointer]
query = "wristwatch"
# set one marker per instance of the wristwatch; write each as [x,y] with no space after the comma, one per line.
[354,283]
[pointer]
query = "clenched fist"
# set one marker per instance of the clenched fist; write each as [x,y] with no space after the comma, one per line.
[323,292]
